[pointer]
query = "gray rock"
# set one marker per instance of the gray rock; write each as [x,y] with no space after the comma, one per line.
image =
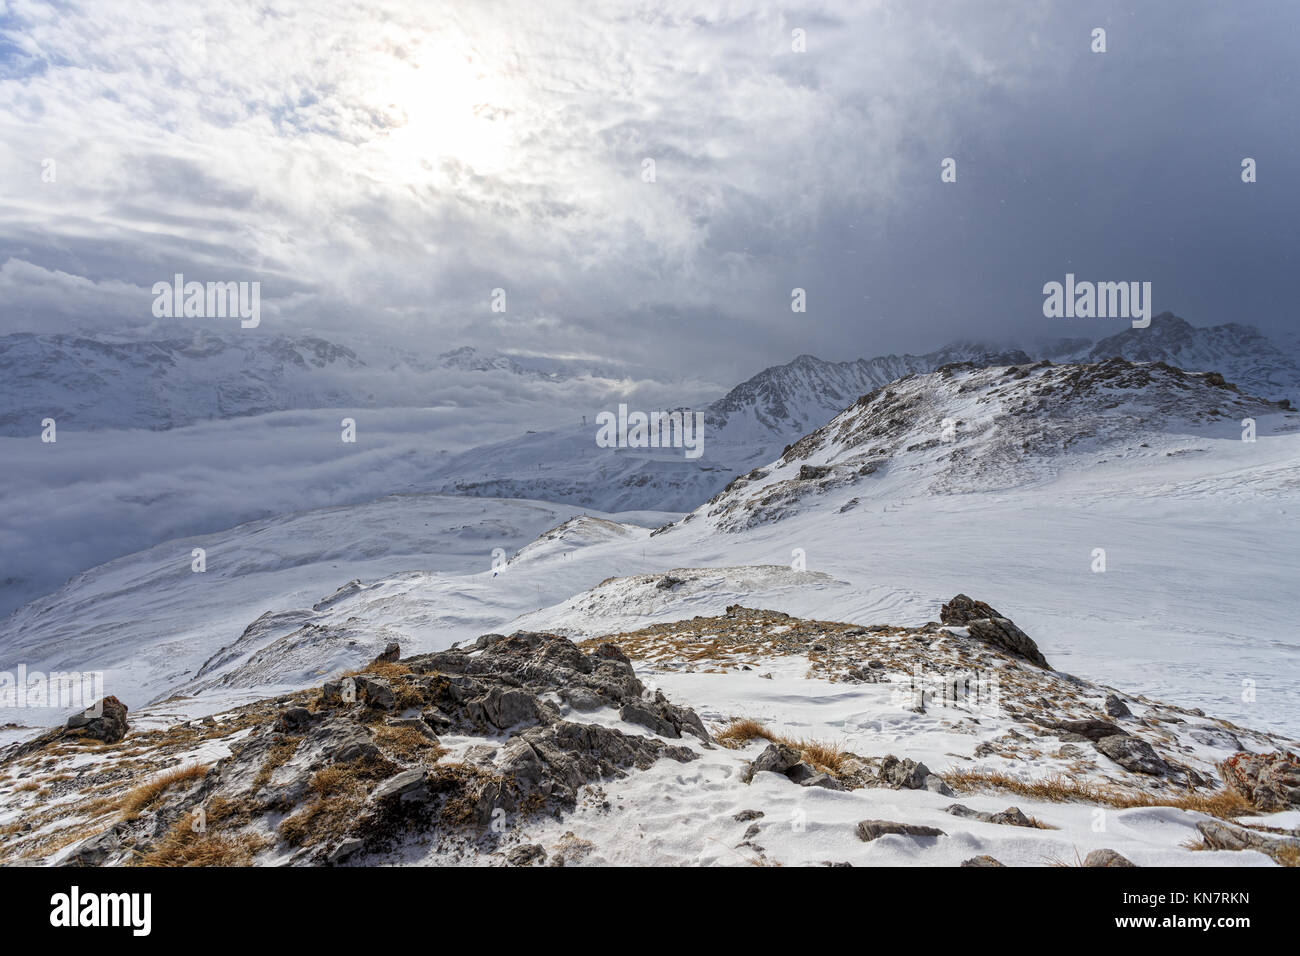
[869,830]
[1117,708]
[406,786]
[642,713]
[503,708]
[1223,836]
[581,699]
[105,720]
[934,783]
[98,849]
[1011,816]
[1215,737]
[744,816]
[1133,754]
[983,860]
[907,774]
[1001,633]
[1089,729]
[823,780]
[344,850]
[417,724]
[776,758]
[961,610]
[293,720]
[1106,857]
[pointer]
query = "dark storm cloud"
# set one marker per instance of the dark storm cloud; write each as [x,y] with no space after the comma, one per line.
[385,166]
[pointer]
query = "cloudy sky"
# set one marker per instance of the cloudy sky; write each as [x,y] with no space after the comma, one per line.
[380,167]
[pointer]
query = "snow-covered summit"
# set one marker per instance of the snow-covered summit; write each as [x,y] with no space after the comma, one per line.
[966,428]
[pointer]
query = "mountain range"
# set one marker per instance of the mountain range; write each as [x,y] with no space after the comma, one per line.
[96,381]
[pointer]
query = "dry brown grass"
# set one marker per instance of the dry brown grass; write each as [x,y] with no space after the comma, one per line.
[1287,856]
[183,847]
[147,794]
[740,732]
[1058,788]
[408,744]
[339,792]
[389,670]
[276,757]
[27,787]
[828,758]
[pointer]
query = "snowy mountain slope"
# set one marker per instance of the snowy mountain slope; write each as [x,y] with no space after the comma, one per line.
[751,424]
[151,624]
[792,399]
[966,428]
[748,737]
[1196,525]
[1240,353]
[746,427]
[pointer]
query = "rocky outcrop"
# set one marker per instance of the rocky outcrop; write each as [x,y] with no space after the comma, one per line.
[983,623]
[1269,781]
[359,767]
[961,610]
[907,774]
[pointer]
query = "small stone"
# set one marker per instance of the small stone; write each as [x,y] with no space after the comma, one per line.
[1106,857]
[869,830]
[526,855]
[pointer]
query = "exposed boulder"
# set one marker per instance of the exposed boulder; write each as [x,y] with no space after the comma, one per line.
[776,758]
[907,774]
[1133,754]
[961,610]
[986,624]
[1116,708]
[104,720]
[983,860]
